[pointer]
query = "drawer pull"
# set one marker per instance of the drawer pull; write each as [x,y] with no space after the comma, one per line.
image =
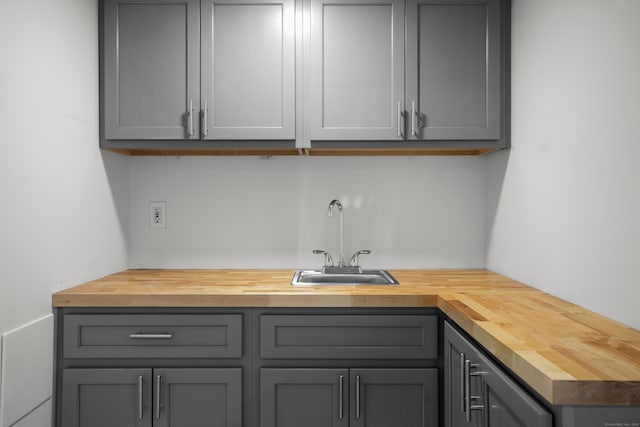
[141,336]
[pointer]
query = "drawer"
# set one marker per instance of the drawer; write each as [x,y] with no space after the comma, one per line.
[348,337]
[153,336]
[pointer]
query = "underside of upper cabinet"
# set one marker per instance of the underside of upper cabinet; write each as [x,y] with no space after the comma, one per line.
[305,77]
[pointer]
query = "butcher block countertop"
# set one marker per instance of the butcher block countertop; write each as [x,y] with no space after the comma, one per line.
[569,355]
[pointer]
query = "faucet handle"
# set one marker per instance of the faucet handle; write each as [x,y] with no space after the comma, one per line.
[328,259]
[354,257]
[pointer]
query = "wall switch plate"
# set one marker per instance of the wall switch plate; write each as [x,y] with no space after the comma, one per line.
[157,214]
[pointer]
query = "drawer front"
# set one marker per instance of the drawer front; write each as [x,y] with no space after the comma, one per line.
[153,336]
[348,337]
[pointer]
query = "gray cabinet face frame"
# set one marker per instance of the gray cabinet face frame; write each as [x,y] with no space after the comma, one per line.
[151,69]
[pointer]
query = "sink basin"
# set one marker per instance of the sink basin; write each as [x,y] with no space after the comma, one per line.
[364,277]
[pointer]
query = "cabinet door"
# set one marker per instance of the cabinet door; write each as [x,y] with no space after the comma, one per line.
[394,397]
[453,69]
[197,397]
[248,69]
[457,351]
[304,397]
[356,83]
[106,398]
[506,404]
[151,63]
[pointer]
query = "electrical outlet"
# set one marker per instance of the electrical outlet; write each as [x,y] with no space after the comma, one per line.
[157,215]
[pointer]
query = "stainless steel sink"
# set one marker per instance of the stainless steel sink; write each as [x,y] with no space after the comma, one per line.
[364,277]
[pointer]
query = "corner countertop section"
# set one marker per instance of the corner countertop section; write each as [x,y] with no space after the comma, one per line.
[568,354]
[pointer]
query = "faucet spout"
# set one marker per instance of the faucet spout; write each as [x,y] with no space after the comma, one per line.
[336,203]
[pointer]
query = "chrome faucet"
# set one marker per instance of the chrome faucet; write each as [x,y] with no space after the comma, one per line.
[336,202]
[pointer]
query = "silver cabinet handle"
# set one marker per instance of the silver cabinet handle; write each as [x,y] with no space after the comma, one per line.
[190,118]
[205,119]
[341,396]
[140,384]
[462,383]
[467,391]
[158,387]
[399,120]
[358,397]
[143,336]
[413,118]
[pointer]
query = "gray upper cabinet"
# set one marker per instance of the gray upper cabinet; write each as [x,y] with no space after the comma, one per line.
[191,70]
[248,69]
[453,69]
[151,69]
[356,70]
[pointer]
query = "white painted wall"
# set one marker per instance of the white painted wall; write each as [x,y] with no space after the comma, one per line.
[250,212]
[563,206]
[63,203]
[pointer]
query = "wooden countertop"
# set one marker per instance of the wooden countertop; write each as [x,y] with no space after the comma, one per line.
[568,354]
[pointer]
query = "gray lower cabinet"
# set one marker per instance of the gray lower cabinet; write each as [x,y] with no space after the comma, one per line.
[348,397]
[152,397]
[478,393]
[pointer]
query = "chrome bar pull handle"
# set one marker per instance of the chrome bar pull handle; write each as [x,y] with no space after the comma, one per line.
[190,117]
[205,119]
[413,118]
[143,336]
[158,387]
[399,120]
[462,383]
[467,391]
[140,407]
[341,394]
[358,397]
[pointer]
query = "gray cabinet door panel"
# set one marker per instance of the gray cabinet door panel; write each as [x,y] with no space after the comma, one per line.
[394,397]
[356,72]
[348,337]
[151,68]
[106,398]
[248,69]
[506,403]
[198,397]
[153,336]
[456,351]
[304,397]
[503,402]
[453,69]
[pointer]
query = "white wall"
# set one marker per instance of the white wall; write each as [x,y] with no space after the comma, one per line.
[563,206]
[250,212]
[63,203]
